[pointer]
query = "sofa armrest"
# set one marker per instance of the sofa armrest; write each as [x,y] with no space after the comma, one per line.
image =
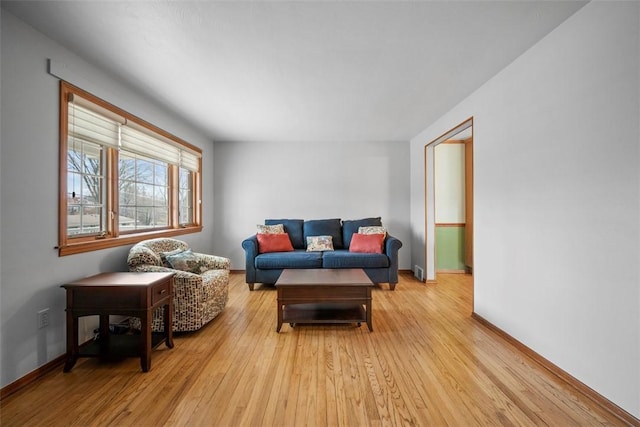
[250,246]
[214,262]
[391,247]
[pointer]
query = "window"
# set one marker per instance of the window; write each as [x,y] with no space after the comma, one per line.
[143,190]
[122,180]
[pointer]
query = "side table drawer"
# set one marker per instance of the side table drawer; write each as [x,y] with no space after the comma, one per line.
[100,298]
[159,292]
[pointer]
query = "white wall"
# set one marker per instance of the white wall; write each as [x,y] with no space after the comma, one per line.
[32,272]
[254,181]
[557,198]
[449,183]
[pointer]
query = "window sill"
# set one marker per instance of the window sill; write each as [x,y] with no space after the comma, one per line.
[98,244]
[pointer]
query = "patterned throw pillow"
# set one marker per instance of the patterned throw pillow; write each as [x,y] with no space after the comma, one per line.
[270,229]
[187,261]
[319,243]
[164,255]
[372,230]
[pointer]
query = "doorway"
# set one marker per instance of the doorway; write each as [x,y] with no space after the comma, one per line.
[449,202]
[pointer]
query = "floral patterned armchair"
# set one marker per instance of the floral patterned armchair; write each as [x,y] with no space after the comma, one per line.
[201,282]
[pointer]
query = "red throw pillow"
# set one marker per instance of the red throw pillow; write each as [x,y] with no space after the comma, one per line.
[366,243]
[274,243]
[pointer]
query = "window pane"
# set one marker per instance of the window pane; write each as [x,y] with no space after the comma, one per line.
[143,217]
[126,219]
[74,187]
[160,217]
[127,195]
[160,177]
[185,214]
[85,207]
[74,160]
[185,197]
[143,192]
[126,167]
[91,189]
[144,171]
[185,178]
[84,156]
[160,196]
[88,220]
[144,195]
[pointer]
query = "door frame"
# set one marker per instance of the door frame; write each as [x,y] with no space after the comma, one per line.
[429,194]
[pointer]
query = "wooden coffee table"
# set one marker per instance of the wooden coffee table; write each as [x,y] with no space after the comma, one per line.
[324,296]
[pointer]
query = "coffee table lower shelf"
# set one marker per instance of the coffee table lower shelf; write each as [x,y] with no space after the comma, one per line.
[324,313]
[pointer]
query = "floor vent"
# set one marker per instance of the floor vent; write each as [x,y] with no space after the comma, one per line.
[418,272]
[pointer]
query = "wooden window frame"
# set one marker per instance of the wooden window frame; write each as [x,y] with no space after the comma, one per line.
[73,245]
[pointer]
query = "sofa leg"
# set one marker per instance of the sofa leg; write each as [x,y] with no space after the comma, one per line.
[250,286]
[392,286]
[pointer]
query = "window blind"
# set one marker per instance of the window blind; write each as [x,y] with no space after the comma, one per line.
[141,141]
[146,145]
[90,126]
[190,160]
[92,123]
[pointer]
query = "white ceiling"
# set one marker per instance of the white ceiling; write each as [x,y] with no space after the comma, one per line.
[300,71]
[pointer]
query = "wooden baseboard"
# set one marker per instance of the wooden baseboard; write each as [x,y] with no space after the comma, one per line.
[32,376]
[581,387]
[451,271]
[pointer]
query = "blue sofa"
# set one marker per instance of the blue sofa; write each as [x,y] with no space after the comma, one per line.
[266,267]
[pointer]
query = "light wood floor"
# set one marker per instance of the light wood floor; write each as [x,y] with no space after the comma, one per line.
[427,363]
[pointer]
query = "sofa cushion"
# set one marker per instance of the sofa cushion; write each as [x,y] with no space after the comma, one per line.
[367,243]
[297,259]
[273,243]
[293,227]
[349,227]
[345,259]
[325,227]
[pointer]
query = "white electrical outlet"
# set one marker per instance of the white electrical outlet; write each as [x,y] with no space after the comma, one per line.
[43,318]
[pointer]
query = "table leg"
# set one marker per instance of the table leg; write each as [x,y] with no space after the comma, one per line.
[279,316]
[72,341]
[104,325]
[145,356]
[168,324]
[104,334]
[368,308]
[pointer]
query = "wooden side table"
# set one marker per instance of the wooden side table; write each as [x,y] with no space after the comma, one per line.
[122,293]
